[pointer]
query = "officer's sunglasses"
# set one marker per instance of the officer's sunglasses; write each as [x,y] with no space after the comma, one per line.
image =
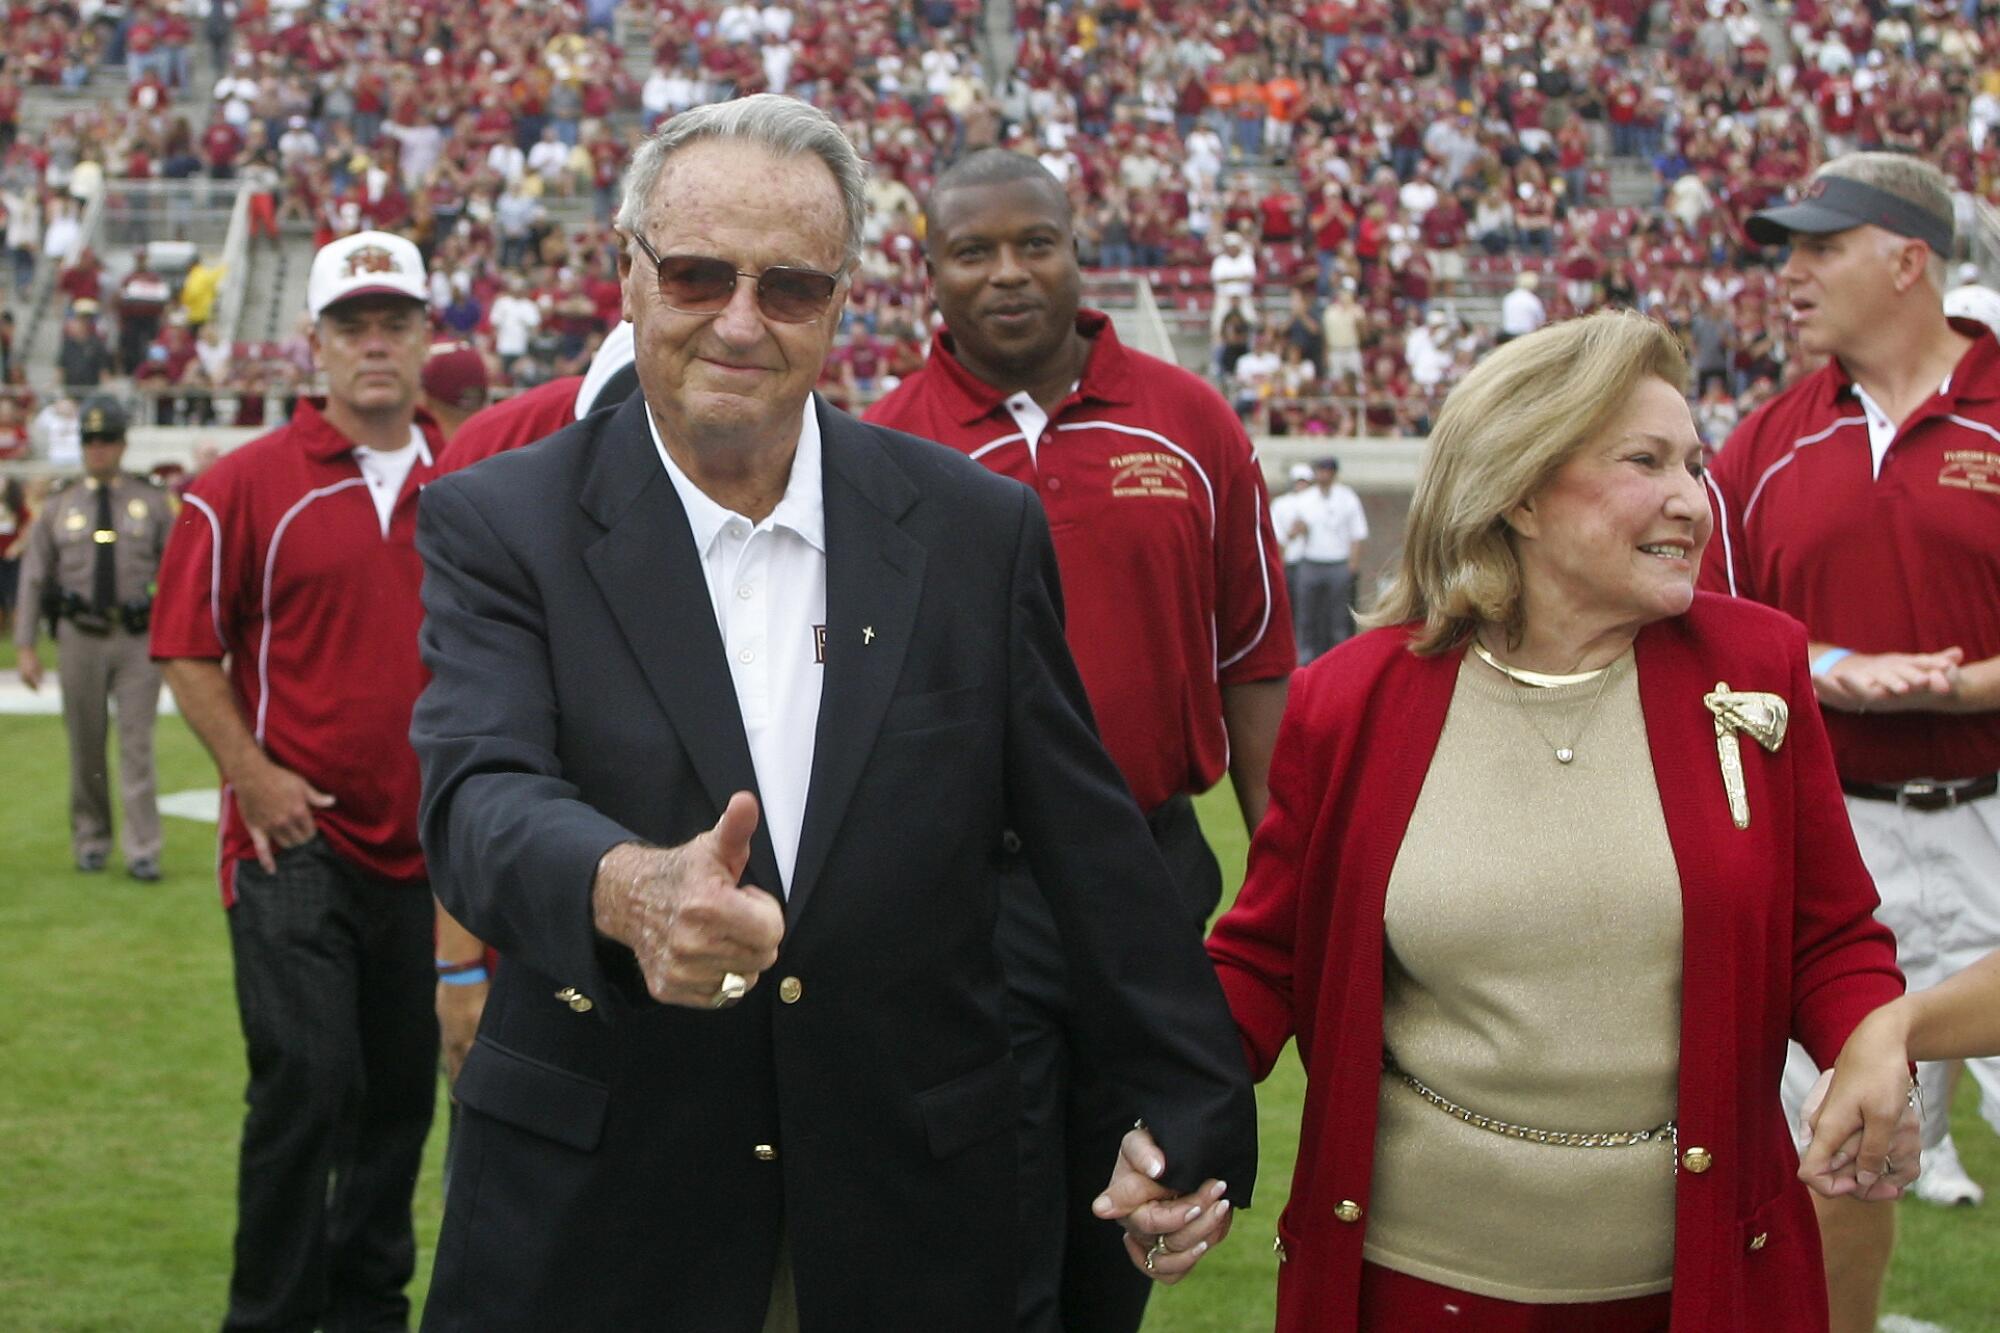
[702,285]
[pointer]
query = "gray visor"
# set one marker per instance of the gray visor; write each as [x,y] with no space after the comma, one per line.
[1836,203]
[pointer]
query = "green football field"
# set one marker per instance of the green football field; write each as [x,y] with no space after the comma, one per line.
[121,1074]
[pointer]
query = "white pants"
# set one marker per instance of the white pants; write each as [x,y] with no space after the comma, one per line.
[1938,874]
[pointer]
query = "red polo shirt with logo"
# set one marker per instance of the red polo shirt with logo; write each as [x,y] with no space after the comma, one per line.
[1172,579]
[1908,561]
[277,562]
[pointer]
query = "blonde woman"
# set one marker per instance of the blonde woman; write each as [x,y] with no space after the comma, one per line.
[1555,861]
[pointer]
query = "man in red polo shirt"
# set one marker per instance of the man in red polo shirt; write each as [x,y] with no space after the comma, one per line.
[1175,589]
[1865,500]
[286,624]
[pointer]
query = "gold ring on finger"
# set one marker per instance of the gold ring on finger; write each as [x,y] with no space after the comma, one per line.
[733,988]
[1159,1248]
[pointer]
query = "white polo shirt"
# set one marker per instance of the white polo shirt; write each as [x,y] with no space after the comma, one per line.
[767,583]
[1334,522]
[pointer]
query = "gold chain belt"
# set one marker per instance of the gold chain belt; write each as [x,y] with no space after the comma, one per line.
[1622,1138]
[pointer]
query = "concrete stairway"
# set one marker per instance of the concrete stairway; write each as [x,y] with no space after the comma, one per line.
[275,291]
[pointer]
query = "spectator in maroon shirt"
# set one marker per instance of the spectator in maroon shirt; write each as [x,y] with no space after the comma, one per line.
[83,279]
[1278,216]
[10,111]
[221,144]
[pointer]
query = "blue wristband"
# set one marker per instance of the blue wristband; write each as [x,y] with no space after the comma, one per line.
[1827,660]
[470,977]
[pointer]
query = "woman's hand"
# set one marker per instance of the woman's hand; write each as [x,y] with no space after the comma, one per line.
[1864,1115]
[1166,1234]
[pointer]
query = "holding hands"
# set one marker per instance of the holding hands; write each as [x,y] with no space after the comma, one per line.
[1166,1234]
[700,935]
[1865,1117]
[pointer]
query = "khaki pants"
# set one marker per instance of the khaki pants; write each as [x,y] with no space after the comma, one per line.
[93,671]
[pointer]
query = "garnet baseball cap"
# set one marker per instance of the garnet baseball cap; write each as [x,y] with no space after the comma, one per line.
[1835,203]
[455,373]
[368,263]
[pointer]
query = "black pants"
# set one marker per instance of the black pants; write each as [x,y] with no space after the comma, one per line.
[334,988]
[1075,1275]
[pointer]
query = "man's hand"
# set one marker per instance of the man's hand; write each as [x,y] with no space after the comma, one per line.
[458,1011]
[29,663]
[684,912]
[277,806]
[1891,682]
[1166,1234]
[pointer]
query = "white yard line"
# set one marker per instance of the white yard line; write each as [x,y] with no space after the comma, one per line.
[18,699]
[1902,1323]
[203,805]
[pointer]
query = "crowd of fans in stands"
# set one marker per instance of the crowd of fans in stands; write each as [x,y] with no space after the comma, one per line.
[1329,188]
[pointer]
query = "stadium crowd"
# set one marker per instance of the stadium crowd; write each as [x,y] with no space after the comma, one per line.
[1386,169]
[1351,203]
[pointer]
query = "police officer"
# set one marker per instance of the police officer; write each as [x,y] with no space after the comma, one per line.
[89,567]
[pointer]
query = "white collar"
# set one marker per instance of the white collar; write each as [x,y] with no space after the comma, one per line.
[801,509]
[423,448]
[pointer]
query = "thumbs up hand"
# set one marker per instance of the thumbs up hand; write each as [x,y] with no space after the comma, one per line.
[701,937]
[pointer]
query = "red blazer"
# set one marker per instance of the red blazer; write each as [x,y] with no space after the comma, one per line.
[1779,941]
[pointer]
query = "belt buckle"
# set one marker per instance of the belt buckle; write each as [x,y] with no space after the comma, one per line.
[1928,794]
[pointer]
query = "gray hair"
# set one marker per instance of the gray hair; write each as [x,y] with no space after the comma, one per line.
[1910,179]
[784,126]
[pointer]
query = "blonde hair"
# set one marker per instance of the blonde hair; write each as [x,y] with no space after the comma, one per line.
[1503,433]
[1910,179]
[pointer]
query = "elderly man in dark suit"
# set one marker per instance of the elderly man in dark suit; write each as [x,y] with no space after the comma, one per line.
[741,711]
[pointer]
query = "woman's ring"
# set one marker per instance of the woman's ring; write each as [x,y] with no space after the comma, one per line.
[1888,1166]
[1159,1248]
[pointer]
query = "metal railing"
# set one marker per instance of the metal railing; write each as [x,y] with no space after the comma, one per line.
[137,212]
[1983,237]
[41,293]
[235,268]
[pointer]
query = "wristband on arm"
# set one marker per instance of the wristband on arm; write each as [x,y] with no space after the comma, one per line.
[1829,659]
[471,972]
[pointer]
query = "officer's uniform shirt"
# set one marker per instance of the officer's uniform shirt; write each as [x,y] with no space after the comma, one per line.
[63,544]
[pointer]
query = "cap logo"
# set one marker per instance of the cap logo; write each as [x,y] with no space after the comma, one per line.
[1816,189]
[93,421]
[369,259]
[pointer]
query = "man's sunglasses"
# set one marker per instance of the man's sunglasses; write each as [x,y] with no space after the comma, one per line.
[702,285]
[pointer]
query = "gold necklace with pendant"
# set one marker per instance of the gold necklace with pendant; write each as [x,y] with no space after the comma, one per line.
[1565,752]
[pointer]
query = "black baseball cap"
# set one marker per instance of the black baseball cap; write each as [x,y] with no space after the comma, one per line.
[103,419]
[1836,203]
